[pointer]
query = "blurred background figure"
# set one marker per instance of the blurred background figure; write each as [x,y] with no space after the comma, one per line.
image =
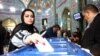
[66,33]
[79,35]
[2,31]
[4,37]
[78,32]
[59,33]
[52,31]
[74,37]
[43,29]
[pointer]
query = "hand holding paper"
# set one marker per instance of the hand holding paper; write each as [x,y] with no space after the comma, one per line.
[44,47]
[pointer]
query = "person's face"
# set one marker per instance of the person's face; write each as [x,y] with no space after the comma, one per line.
[28,17]
[85,14]
[55,29]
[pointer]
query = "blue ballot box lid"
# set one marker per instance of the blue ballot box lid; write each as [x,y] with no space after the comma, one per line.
[30,51]
[61,46]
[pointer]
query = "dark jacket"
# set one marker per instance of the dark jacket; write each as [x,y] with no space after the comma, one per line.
[2,37]
[91,38]
[49,33]
[2,34]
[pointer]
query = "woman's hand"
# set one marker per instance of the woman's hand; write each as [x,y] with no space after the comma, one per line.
[34,38]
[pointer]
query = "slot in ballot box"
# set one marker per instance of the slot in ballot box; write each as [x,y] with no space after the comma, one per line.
[54,40]
[61,46]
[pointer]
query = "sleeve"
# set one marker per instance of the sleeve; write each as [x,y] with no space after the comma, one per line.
[17,39]
[46,35]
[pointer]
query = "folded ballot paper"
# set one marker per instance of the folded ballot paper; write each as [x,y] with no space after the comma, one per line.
[44,48]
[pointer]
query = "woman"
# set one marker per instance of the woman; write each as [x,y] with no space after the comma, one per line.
[25,33]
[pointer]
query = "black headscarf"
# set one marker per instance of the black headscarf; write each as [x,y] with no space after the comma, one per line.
[24,26]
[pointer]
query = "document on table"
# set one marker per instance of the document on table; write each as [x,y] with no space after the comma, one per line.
[44,48]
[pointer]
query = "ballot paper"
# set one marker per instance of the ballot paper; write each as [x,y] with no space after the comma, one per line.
[44,47]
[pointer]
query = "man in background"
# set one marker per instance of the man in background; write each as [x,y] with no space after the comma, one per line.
[91,37]
[52,31]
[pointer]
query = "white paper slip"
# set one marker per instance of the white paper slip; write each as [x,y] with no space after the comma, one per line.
[44,48]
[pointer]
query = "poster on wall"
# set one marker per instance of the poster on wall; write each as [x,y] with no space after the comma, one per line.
[77,16]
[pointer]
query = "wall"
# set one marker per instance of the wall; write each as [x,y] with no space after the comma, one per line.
[72,5]
[15,17]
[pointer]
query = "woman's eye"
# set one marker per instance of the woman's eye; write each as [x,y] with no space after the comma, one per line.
[27,16]
[31,16]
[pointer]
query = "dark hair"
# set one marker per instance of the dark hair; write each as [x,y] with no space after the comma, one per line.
[22,15]
[91,7]
[56,26]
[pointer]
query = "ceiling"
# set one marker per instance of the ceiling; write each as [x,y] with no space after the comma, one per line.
[42,8]
[5,6]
